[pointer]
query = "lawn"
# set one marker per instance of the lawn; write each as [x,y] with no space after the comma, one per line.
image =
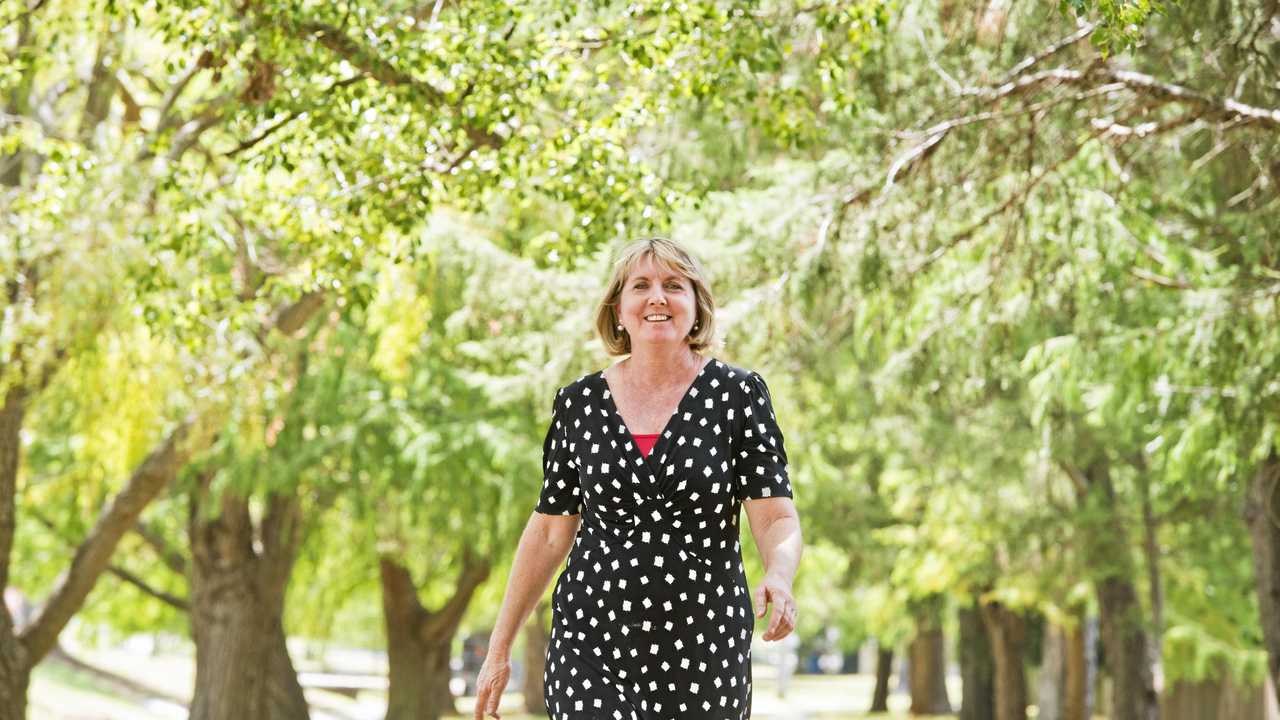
[61,692]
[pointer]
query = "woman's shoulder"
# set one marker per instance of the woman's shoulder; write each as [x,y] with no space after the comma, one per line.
[733,373]
[583,386]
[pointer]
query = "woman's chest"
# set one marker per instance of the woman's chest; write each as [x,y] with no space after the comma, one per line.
[647,413]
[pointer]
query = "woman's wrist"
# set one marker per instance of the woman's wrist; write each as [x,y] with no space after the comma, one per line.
[499,651]
[779,577]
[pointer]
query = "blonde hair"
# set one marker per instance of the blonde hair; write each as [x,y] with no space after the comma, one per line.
[667,253]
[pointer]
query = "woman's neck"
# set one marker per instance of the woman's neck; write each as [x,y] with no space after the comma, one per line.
[651,365]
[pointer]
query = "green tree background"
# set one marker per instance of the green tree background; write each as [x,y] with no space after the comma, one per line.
[288,288]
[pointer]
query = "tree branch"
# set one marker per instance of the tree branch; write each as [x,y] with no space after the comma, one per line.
[441,623]
[266,133]
[172,559]
[1085,31]
[25,14]
[292,317]
[388,74]
[1140,83]
[94,553]
[135,580]
[367,61]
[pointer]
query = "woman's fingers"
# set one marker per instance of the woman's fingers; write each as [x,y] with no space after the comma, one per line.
[762,600]
[489,686]
[783,619]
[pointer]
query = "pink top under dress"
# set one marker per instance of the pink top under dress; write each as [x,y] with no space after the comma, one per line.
[645,442]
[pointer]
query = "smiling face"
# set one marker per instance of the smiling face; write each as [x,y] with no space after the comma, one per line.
[657,304]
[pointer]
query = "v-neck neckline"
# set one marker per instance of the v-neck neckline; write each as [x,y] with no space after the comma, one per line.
[660,444]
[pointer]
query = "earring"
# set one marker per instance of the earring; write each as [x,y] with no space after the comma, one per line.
[619,328]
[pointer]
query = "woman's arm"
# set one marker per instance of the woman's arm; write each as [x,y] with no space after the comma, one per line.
[545,542]
[775,525]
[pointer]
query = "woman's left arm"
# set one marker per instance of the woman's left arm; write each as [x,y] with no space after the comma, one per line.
[776,528]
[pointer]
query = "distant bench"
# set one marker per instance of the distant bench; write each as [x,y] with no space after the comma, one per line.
[342,684]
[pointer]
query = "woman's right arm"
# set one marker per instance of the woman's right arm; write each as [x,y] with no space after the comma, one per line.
[545,542]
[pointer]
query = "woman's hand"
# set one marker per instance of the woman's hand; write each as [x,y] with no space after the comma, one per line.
[492,680]
[776,590]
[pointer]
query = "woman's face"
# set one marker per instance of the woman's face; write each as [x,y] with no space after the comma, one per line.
[657,304]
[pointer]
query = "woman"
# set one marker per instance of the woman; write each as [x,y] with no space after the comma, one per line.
[645,467]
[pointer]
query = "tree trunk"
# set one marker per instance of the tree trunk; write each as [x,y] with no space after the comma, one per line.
[243,669]
[1262,513]
[11,416]
[1155,581]
[928,667]
[884,668]
[536,641]
[15,670]
[1007,631]
[977,668]
[1075,704]
[1053,673]
[419,640]
[1124,639]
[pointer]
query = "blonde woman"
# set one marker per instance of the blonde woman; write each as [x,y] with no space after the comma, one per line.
[646,465]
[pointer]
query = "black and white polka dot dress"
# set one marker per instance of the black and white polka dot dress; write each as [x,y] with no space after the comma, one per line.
[651,618]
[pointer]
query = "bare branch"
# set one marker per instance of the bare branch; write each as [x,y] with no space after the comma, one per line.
[1223,108]
[172,559]
[191,130]
[1085,31]
[1159,279]
[1015,197]
[293,316]
[175,91]
[25,14]
[266,133]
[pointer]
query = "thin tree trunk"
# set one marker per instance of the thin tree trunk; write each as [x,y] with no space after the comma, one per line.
[243,669]
[1008,634]
[1262,513]
[884,669]
[1124,638]
[928,667]
[1155,583]
[536,641]
[14,666]
[1053,673]
[15,673]
[419,640]
[977,668]
[1075,704]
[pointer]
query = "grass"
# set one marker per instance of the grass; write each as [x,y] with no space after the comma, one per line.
[60,692]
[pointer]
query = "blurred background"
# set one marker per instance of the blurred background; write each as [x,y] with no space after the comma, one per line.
[288,288]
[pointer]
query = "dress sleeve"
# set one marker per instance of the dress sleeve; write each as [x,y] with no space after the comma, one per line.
[761,464]
[561,488]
